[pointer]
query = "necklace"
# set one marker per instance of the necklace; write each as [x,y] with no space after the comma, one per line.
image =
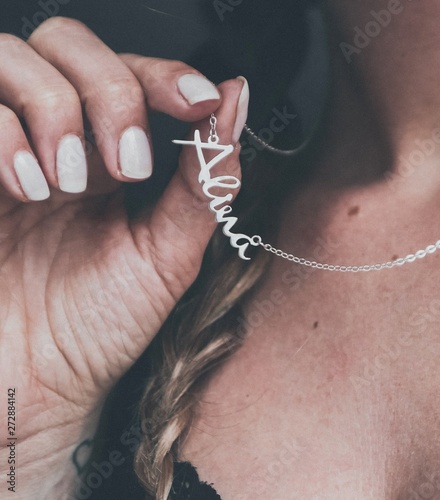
[218,205]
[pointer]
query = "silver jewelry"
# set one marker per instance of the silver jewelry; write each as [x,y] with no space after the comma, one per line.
[217,203]
[420,254]
[242,241]
[272,149]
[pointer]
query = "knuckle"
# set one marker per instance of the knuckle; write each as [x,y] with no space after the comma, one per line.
[8,42]
[162,68]
[56,23]
[7,38]
[119,94]
[53,99]
[176,66]
[120,87]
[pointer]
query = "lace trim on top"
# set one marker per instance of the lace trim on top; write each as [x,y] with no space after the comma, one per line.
[187,485]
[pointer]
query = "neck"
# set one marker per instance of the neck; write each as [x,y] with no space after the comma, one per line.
[386,107]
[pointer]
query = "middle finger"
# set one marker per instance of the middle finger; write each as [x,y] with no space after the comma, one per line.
[112,96]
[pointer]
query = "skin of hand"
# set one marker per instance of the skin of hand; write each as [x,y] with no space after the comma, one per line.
[84,289]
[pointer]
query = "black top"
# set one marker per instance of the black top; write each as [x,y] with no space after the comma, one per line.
[187,485]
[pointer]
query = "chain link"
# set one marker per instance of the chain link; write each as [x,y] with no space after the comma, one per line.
[213,137]
[420,254]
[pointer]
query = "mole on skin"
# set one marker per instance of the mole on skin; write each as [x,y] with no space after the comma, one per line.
[353,211]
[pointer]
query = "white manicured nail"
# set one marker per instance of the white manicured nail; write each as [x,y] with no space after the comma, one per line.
[71,165]
[196,88]
[135,158]
[242,110]
[31,176]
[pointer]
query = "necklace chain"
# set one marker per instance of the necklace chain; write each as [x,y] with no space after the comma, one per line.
[282,152]
[257,240]
[420,254]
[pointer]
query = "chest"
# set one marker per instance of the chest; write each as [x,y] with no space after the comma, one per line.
[335,400]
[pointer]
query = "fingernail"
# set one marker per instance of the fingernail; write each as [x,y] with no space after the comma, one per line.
[242,110]
[135,158]
[196,88]
[31,176]
[71,165]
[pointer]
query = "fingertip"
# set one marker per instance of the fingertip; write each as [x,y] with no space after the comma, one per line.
[195,89]
[135,155]
[242,110]
[30,176]
[232,114]
[71,164]
[199,97]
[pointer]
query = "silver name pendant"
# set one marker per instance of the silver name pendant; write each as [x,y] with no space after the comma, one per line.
[242,241]
[217,203]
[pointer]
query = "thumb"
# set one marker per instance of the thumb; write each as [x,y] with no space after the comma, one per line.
[181,223]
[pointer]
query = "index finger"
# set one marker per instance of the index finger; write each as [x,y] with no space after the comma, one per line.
[112,95]
[174,88]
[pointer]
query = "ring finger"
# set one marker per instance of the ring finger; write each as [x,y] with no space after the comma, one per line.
[51,108]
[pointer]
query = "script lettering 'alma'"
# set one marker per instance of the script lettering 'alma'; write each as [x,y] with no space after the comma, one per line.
[216,205]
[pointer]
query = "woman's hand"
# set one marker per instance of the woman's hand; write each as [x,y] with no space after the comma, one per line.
[83,289]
